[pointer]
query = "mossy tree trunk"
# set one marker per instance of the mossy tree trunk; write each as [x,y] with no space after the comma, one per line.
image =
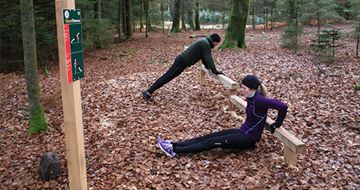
[235,34]
[37,117]
[244,12]
[176,18]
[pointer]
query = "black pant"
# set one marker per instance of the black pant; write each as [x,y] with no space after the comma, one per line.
[226,139]
[175,70]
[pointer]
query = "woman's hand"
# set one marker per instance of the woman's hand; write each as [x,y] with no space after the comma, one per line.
[273,127]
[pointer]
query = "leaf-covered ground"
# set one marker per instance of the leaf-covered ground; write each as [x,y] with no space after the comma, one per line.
[121,130]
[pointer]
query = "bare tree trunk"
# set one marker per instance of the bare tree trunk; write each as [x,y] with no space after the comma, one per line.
[197,15]
[98,10]
[147,17]
[357,44]
[183,24]
[190,19]
[176,18]
[253,17]
[162,15]
[141,15]
[128,24]
[37,118]
[119,20]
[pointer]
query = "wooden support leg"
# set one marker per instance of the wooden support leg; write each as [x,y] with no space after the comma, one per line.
[290,156]
[231,105]
[202,78]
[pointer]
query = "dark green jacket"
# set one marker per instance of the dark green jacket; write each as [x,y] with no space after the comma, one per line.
[200,50]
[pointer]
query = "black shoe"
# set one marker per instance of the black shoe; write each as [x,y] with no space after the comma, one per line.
[146,96]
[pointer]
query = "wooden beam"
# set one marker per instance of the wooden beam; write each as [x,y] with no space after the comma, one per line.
[289,140]
[71,101]
[226,81]
[290,156]
[202,78]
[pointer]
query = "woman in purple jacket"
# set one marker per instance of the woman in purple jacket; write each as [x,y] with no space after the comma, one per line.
[243,138]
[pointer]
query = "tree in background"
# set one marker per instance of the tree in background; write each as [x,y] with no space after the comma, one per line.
[235,34]
[321,11]
[148,24]
[293,28]
[37,117]
[127,26]
[197,15]
[355,6]
[176,17]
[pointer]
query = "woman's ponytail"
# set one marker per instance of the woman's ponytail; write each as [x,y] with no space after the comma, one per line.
[263,90]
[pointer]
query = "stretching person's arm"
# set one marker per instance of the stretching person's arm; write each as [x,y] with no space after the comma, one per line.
[208,61]
[277,105]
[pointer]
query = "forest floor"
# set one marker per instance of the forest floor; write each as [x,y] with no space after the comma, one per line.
[121,130]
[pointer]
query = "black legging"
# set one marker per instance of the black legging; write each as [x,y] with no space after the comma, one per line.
[175,70]
[226,139]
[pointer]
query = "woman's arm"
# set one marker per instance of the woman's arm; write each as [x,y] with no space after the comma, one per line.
[277,105]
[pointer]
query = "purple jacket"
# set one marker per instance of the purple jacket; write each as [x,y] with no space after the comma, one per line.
[256,114]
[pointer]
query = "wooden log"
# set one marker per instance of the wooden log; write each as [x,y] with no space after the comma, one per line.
[290,141]
[226,81]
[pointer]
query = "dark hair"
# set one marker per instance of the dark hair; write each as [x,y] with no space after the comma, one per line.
[252,82]
[215,37]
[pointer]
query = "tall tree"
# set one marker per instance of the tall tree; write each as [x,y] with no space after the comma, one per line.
[141,15]
[235,34]
[190,19]
[355,6]
[148,25]
[176,18]
[98,15]
[183,23]
[119,19]
[162,15]
[37,118]
[127,25]
[197,15]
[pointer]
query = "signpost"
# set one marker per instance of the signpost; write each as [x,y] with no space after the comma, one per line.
[69,36]
[73,44]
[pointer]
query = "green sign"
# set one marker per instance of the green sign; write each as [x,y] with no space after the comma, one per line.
[73,44]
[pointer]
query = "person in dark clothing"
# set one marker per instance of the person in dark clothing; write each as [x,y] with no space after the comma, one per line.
[198,50]
[241,138]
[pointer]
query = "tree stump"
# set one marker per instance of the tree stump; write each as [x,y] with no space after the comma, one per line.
[50,166]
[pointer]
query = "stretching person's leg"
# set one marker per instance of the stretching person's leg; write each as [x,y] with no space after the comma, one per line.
[227,139]
[205,137]
[235,140]
[175,70]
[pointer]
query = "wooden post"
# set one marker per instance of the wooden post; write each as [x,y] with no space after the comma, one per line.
[231,92]
[71,99]
[202,77]
[290,156]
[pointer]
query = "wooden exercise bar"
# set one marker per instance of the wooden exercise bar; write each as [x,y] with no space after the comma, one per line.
[292,145]
[226,81]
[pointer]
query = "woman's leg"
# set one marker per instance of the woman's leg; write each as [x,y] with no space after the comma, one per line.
[205,137]
[175,70]
[226,140]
